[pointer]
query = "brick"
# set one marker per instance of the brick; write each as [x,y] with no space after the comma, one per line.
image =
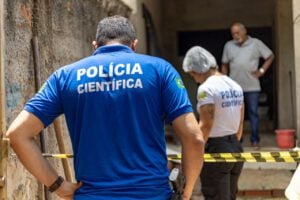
[277,193]
[258,193]
[241,193]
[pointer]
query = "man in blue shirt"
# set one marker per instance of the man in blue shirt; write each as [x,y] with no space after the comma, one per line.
[115,103]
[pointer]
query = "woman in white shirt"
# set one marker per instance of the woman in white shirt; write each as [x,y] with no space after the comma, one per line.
[221,109]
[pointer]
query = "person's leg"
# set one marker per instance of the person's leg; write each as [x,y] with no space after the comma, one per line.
[236,170]
[252,100]
[215,177]
[235,174]
[215,181]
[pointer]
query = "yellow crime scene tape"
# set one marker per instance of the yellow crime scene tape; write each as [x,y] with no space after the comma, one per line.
[279,156]
[62,156]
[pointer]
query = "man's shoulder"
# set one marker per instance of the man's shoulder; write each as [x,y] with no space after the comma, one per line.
[90,61]
[155,61]
[254,40]
[151,58]
[229,44]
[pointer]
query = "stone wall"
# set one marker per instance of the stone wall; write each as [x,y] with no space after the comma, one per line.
[65,30]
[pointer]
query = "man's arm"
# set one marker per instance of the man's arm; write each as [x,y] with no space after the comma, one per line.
[261,71]
[240,130]
[268,62]
[190,136]
[21,134]
[207,113]
[224,68]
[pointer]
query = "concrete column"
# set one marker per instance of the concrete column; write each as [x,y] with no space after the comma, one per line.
[296,24]
[285,64]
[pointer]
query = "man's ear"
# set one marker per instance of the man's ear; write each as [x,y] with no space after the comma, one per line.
[134,45]
[95,45]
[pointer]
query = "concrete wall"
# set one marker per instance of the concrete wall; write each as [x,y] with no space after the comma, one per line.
[154,7]
[285,64]
[296,24]
[65,30]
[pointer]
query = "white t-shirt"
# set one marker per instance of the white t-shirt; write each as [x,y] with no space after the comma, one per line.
[243,60]
[227,96]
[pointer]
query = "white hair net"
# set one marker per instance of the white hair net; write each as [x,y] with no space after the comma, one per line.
[199,60]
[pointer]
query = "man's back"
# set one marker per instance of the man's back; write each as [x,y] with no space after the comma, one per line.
[114,103]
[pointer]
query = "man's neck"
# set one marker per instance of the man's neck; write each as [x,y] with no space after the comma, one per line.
[244,40]
[113,42]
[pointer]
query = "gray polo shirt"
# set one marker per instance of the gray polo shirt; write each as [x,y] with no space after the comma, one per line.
[243,60]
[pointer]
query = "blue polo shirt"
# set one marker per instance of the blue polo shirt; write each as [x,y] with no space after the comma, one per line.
[115,103]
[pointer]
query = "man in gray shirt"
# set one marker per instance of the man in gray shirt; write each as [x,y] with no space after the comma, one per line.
[241,60]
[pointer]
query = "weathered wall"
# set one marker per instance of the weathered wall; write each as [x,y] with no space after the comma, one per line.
[65,30]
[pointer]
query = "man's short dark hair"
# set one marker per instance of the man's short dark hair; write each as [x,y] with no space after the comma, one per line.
[115,28]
